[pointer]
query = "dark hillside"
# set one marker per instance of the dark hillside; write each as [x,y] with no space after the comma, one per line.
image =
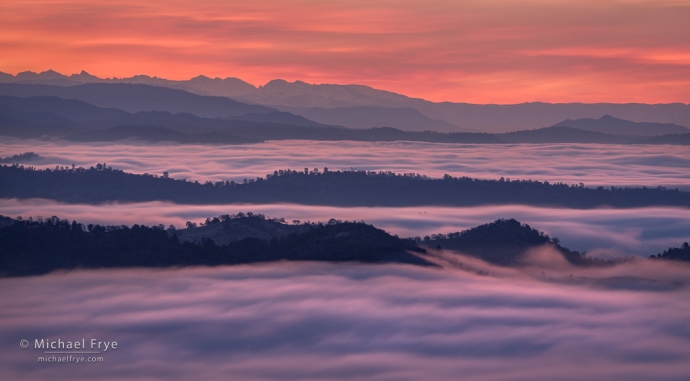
[226,229]
[560,135]
[154,134]
[675,139]
[312,187]
[37,247]
[502,242]
[20,158]
[681,253]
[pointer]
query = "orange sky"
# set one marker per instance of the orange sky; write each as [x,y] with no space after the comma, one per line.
[491,51]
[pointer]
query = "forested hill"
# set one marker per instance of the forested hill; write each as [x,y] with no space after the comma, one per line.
[38,246]
[681,253]
[504,242]
[338,188]
[33,247]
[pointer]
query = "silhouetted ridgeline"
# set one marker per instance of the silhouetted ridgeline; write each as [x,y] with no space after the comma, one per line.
[616,126]
[561,135]
[339,188]
[504,242]
[675,253]
[354,106]
[30,247]
[74,120]
[677,139]
[157,134]
[229,228]
[22,157]
[134,97]
[235,132]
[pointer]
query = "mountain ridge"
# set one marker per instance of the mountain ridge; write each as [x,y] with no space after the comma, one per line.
[39,246]
[608,124]
[136,97]
[75,120]
[494,118]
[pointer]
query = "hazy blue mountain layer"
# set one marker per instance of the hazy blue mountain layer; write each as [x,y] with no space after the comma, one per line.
[616,126]
[307,99]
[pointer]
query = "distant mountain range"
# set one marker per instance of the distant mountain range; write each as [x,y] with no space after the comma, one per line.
[135,98]
[247,132]
[202,85]
[678,139]
[358,106]
[615,126]
[53,116]
[139,97]
[155,134]
[75,120]
[406,118]
[560,135]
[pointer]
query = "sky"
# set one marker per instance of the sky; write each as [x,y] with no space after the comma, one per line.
[496,51]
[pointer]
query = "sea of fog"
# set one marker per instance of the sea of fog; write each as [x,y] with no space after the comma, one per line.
[605,233]
[602,232]
[315,321]
[591,164]
[320,321]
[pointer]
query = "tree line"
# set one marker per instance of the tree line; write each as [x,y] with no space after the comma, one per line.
[39,246]
[102,183]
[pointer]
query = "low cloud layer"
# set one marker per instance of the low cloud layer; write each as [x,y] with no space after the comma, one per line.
[591,164]
[603,232]
[320,321]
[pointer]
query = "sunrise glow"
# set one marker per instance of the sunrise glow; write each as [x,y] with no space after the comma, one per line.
[500,51]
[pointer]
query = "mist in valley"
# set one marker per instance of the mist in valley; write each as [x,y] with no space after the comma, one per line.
[591,164]
[344,321]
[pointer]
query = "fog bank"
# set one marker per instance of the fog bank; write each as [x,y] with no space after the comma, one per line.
[322,321]
[603,232]
[591,164]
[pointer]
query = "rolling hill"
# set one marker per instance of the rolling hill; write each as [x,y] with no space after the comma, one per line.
[560,135]
[616,126]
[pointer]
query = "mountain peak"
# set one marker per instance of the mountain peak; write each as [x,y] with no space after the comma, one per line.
[48,74]
[84,76]
[51,73]
[606,117]
[142,76]
[204,78]
[275,83]
[26,75]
